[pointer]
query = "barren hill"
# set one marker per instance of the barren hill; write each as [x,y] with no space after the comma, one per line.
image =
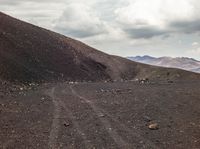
[118,114]
[30,53]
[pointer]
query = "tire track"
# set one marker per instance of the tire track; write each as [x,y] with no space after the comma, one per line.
[130,131]
[55,123]
[86,141]
[112,132]
[55,127]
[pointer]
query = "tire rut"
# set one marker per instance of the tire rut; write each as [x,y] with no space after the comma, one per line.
[119,141]
[55,127]
[55,123]
[123,127]
[86,141]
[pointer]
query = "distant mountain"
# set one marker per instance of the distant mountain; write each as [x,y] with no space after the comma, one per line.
[185,63]
[196,70]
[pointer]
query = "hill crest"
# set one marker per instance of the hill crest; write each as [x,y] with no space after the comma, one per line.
[29,53]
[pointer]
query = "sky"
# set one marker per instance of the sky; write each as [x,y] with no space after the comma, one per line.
[119,27]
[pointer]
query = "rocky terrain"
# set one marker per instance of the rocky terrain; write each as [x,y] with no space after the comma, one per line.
[157,115]
[58,93]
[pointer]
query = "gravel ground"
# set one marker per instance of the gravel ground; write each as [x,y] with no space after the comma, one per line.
[102,115]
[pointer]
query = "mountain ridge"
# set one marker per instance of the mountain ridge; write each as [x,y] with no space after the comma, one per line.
[185,63]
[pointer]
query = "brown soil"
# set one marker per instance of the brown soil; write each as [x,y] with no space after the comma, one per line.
[103,115]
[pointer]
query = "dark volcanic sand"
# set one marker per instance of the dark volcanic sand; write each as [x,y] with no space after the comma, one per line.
[102,115]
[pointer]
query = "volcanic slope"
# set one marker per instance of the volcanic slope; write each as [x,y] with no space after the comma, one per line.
[88,114]
[29,53]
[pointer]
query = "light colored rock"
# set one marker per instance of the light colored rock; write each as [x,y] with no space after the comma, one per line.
[153,126]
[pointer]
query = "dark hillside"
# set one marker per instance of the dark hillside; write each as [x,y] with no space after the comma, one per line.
[30,53]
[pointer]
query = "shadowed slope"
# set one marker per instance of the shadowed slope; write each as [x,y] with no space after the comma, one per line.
[29,53]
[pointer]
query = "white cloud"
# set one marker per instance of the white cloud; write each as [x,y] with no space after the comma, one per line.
[155,12]
[136,18]
[79,20]
[41,13]
[149,18]
[194,44]
[194,51]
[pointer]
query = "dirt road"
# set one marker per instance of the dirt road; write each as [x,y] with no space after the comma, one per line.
[103,115]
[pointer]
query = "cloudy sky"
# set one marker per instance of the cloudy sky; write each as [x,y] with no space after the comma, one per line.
[120,27]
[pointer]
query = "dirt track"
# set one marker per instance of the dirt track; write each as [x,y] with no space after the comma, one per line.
[103,115]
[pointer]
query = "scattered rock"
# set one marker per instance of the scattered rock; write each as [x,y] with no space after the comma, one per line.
[66,124]
[153,126]
[101,90]
[101,115]
[147,119]
[170,81]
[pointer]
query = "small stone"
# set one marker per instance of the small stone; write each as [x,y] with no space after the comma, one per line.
[66,124]
[141,142]
[169,126]
[147,119]
[153,126]
[101,115]
[181,131]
